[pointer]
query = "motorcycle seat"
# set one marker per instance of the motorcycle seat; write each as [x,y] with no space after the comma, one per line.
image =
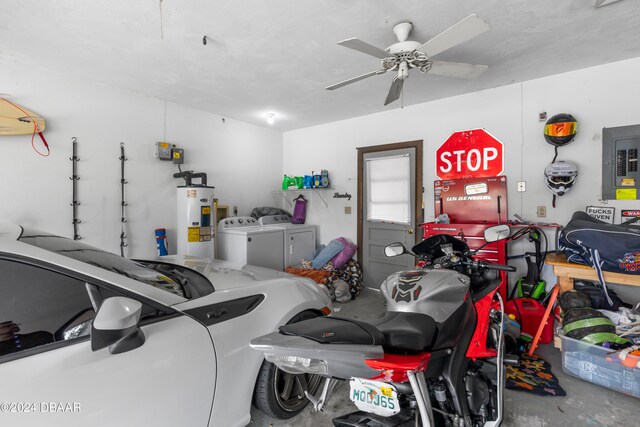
[335,330]
[406,331]
[394,330]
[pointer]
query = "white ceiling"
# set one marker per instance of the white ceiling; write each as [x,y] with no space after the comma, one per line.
[278,55]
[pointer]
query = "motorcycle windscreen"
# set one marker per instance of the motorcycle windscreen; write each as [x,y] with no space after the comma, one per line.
[432,245]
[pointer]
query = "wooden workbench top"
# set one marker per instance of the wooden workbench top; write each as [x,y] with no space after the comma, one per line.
[564,268]
[558,258]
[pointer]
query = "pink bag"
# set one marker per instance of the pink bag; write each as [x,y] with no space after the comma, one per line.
[299,210]
[345,255]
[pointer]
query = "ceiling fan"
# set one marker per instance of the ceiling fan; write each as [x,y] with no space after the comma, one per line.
[406,54]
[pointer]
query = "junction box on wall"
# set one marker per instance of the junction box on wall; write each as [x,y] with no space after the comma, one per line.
[168,151]
[620,157]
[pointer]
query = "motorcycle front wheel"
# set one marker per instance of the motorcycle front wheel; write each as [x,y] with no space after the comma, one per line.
[279,394]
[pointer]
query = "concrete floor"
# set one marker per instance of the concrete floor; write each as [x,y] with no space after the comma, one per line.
[585,404]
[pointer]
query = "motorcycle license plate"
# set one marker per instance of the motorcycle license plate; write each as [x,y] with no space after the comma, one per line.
[377,397]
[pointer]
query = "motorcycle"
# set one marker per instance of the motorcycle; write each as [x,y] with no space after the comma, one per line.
[434,358]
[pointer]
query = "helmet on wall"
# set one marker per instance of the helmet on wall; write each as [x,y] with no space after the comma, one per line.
[560,176]
[560,129]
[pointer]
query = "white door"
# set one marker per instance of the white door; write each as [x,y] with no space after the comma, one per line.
[388,211]
[59,381]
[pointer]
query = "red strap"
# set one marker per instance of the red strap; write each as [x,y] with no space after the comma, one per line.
[44,141]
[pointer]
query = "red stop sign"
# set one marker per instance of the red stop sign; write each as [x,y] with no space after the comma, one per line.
[469,154]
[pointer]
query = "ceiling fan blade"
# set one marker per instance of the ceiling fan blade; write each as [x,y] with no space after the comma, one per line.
[468,28]
[354,79]
[394,91]
[360,46]
[457,69]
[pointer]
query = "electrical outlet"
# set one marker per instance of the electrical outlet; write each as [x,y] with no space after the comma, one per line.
[522,186]
[347,210]
[542,211]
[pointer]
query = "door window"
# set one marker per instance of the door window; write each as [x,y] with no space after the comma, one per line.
[40,307]
[389,189]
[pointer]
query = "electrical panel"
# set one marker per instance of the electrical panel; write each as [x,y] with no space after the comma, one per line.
[620,171]
[163,150]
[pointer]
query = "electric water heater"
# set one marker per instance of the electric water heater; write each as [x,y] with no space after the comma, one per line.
[196,221]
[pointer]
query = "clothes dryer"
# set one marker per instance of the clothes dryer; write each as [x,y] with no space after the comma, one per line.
[299,239]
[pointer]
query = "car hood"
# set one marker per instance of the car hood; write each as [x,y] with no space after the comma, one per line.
[227,275]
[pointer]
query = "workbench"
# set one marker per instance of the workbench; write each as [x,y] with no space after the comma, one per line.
[567,271]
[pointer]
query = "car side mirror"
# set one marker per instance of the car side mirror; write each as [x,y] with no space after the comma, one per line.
[395,249]
[116,326]
[497,232]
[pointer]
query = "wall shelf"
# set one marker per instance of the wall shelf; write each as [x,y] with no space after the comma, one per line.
[289,195]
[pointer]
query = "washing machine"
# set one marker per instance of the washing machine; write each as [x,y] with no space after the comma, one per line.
[299,239]
[242,240]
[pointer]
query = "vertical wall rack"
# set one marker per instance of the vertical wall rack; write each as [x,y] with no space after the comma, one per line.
[74,180]
[123,203]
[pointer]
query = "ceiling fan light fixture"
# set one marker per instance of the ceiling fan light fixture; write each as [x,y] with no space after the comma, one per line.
[403,70]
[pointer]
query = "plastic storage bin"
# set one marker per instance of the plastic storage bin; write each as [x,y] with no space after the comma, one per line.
[594,364]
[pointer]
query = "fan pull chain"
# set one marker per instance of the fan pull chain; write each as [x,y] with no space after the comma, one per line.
[74,181]
[123,203]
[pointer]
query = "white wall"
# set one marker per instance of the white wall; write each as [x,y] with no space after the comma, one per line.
[602,96]
[243,161]
[598,97]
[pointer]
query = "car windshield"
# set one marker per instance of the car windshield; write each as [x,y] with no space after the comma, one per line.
[106,260]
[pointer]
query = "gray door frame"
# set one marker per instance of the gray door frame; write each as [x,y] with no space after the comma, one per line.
[418,190]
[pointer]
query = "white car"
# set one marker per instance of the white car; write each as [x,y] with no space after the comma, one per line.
[90,338]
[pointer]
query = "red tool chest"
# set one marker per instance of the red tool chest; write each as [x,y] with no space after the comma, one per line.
[472,206]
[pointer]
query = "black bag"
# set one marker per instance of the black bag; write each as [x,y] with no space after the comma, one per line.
[608,247]
[598,300]
[616,248]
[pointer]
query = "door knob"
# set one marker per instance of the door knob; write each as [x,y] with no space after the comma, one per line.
[410,231]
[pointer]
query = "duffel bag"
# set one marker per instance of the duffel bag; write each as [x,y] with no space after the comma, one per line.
[605,247]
